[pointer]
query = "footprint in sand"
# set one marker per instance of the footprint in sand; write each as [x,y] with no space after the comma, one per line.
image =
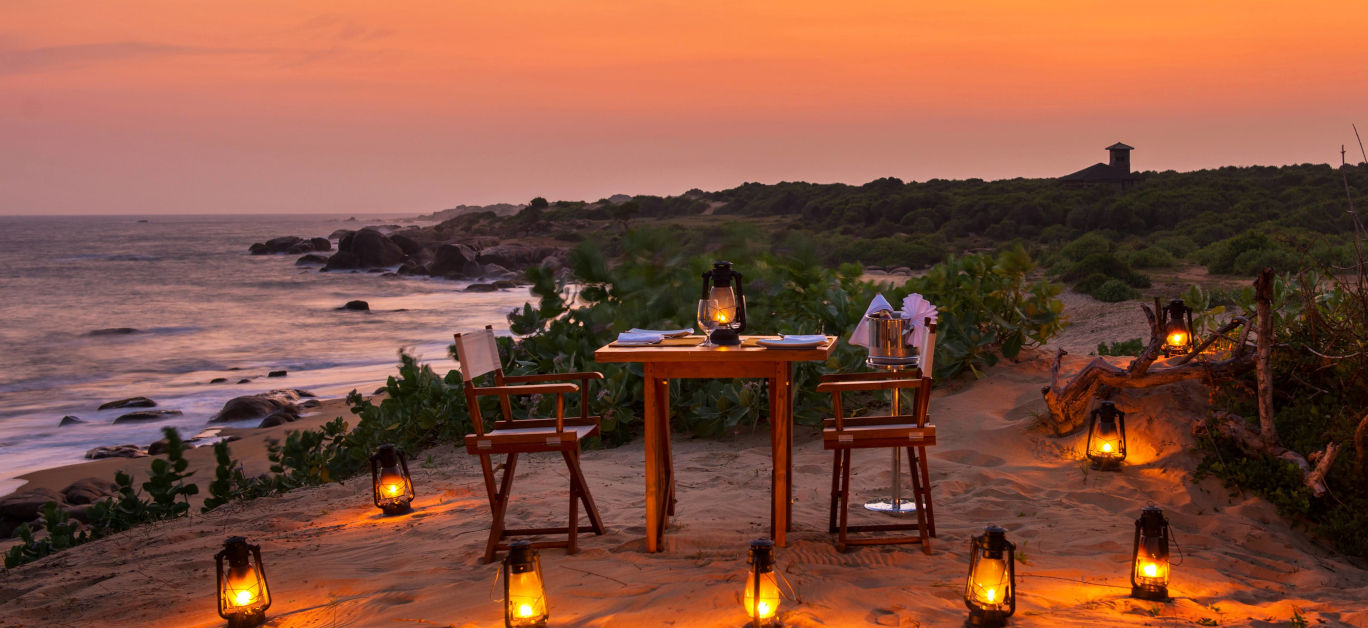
[971,458]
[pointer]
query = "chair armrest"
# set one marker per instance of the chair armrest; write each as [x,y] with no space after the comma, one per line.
[535,389]
[871,376]
[842,387]
[552,377]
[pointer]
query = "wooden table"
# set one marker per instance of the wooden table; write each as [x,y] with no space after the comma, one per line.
[682,358]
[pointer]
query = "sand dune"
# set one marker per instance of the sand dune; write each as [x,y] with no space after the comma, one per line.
[333,561]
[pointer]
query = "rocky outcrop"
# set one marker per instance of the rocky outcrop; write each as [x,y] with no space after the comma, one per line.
[288,414]
[252,407]
[27,505]
[454,261]
[71,420]
[146,415]
[112,331]
[116,451]
[312,259]
[367,248]
[131,402]
[517,255]
[88,491]
[355,306]
[290,244]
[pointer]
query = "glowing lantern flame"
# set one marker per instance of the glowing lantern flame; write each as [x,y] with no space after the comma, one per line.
[243,598]
[1106,448]
[1151,570]
[1177,339]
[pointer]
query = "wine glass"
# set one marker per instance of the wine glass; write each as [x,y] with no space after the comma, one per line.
[707,319]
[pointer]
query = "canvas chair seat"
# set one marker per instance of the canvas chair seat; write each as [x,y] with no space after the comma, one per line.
[479,355]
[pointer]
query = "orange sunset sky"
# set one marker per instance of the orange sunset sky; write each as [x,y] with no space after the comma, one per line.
[113,106]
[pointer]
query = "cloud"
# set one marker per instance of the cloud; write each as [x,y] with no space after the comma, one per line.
[57,58]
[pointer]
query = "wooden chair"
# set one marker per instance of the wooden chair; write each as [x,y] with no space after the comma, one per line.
[914,431]
[479,355]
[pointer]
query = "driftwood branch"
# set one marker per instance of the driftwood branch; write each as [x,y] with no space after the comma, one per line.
[1236,429]
[1068,402]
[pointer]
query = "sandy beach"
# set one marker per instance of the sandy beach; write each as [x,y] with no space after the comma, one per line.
[334,560]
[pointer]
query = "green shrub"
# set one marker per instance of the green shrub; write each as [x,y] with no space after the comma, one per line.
[61,535]
[1108,265]
[1090,284]
[1153,257]
[230,483]
[1091,243]
[1121,347]
[1114,290]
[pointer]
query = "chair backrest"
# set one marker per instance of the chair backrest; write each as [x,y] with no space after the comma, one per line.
[478,353]
[928,348]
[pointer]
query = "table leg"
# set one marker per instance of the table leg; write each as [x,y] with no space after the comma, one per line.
[652,454]
[663,398]
[788,421]
[779,427]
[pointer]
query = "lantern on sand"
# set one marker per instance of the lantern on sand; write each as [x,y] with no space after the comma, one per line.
[243,595]
[722,284]
[391,479]
[524,590]
[990,589]
[1150,556]
[1177,328]
[762,589]
[1106,446]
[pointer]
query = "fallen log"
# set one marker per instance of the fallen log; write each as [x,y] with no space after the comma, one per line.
[1236,428]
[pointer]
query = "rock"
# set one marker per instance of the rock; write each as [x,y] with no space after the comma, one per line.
[310,403]
[280,417]
[251,407]
[280,373]
[407,244]
[88,490]
[356,306]
[116,451]
[517,255]
[297,393]
[131,402]
[495,271]
[311,259]
[71,420]
[901,270]
[412,267]
[482,287]
[320,244]
[219,380]
[112,331]
[245,380]
[158,447]
[366,248]
[505,284]
[79,513]
[341,233]
[146,415]
[453,261]
[27,505]
[381,390]
[282,244]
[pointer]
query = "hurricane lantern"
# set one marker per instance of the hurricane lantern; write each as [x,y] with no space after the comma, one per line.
[762,589]
[1106,446]
[724,285]
[243,595]
[1150,564]
[990,589]
[391,479]
[524,591]
[1177,329]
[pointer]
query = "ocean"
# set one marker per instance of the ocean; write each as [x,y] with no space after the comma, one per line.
[203,308]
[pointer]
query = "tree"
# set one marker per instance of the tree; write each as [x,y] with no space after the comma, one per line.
[623,213]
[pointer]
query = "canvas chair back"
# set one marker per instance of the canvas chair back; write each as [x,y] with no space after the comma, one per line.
[928,348]
[478,353]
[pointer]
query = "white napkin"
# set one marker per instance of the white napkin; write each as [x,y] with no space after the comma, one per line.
[805,338]
[917,308]
[638,338]
[860,337]
[668,333]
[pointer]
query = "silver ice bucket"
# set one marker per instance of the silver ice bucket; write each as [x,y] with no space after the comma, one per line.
[888,339]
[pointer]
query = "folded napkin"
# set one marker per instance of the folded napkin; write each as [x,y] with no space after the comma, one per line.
[917,308]
[668,333]
[639,338]
[805,338]
[860,337]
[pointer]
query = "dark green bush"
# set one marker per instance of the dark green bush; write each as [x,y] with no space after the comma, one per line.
[1153,257]
[1114,290]
[1121,347]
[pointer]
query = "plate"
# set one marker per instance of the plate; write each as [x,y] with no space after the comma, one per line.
[789,343]
[668,333]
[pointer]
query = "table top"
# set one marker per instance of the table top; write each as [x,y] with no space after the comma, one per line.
[687,349]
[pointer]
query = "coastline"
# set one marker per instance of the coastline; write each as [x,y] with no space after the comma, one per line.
[249,449]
